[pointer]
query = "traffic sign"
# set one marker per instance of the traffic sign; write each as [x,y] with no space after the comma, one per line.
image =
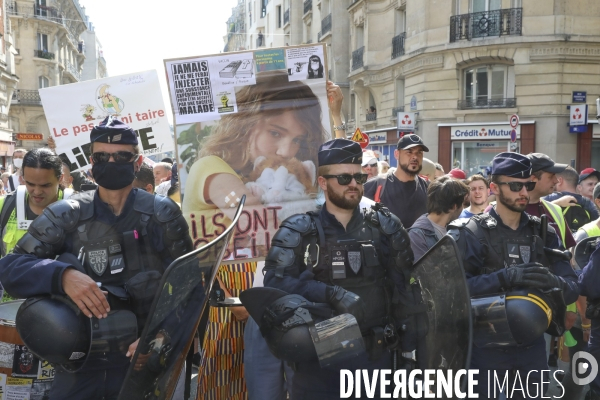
[360,138]
[513,136]
[514,121]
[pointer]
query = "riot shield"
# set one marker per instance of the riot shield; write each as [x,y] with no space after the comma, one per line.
[174,317]
[583,250]
[444,293]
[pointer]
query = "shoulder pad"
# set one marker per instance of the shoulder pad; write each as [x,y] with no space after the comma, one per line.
[301,223]
[64,214]
[144,202]
[165,209]
[381,217]
[86,204]
[287,237]
[458,223]
[485,220]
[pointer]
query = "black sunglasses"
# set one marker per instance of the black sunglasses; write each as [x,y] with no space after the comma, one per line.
[345,179]
[372,165]
[119,156]
[517,186]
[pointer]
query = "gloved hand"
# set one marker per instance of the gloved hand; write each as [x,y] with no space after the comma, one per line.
[530,275]
[344,302]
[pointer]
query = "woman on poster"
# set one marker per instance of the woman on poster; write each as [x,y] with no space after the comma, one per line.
[277,120]
[315,67]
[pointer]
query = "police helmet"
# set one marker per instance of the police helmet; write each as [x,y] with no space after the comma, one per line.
[529,315]
[54,329]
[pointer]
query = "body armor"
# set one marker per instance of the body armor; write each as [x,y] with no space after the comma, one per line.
[354,261]
[121,257]
[506,249]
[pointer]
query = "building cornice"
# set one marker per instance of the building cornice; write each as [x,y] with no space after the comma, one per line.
[422,64]
[561,53]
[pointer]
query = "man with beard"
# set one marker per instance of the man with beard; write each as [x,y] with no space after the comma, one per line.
[404,192]
[479,189]
[506,266]
[351,258]
[445,197]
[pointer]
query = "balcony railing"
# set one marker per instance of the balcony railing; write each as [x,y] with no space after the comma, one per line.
[326,25]
[73,71]
[357,58]
[307,6]
[11,7]
[49,13]
[286,17]
[22,96]
[372,116]
[43,54]
[487,103]
[398,45]
[486,23]
[396,110]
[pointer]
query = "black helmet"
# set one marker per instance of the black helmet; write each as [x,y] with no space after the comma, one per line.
[54,329]
[291,326]
[529,314]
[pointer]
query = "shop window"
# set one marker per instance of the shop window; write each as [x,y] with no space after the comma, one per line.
[474,156]
[486,5]
[488,86]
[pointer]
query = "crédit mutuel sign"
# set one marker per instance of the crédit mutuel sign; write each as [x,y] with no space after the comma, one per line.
[483,132]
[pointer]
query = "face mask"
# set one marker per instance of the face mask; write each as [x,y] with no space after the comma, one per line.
[18,162]
[112,175]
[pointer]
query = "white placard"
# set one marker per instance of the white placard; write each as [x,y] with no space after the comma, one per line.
[406,121]
[73,110]
[578,114]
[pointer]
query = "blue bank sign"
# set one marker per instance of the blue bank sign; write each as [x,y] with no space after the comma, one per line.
[482,132]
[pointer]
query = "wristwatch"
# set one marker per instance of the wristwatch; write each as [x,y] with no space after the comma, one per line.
[341,127]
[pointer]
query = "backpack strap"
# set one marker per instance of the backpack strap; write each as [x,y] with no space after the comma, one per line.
[381,188]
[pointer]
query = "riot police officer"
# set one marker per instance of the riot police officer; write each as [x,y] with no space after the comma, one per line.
[123,238]
[510,268]
[355,260]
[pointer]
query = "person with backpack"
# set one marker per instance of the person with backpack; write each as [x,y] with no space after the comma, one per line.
[42,173]
[577,209]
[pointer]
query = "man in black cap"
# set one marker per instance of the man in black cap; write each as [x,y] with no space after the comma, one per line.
[111,237]
[404,192]
[343,256]
[506,265]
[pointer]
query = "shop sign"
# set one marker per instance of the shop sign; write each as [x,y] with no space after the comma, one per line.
[29,136]
[406,121]
[479,132]
[378,137]
[578,115]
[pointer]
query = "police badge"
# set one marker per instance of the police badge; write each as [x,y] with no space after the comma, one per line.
[525,253]
[98,260]
[354,260]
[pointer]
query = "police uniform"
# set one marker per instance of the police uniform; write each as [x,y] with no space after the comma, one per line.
[125,254]
[314,256]
[493,255]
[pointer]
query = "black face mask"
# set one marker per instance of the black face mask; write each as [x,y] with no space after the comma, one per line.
[112,175]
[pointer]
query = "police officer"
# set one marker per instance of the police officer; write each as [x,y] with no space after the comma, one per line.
[503,253]
[124,238]
[353,259]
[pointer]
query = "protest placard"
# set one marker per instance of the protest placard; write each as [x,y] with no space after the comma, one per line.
[246,124]
[73,110]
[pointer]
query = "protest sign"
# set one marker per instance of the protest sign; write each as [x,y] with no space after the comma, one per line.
[248,123]
[73,110]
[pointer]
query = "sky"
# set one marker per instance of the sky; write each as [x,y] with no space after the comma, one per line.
[138,35]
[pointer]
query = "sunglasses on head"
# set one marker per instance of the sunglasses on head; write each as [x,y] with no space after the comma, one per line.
[517,186]
[118,156]
[345,179]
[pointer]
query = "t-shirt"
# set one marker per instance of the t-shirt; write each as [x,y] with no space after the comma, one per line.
[406,200]
[440,231]
[537,209]
[466,214]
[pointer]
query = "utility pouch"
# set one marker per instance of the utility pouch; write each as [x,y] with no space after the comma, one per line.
[370,260]
[142,289]
[375,343]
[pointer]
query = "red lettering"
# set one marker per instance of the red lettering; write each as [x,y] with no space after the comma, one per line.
[236,248]
[216,219]
[248,222]
[203,225]
[194,228]
[257,220]
[275,221]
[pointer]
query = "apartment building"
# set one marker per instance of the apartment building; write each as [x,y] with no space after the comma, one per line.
[464,67]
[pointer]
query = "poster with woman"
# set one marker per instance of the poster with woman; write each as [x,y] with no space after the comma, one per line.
[245,126]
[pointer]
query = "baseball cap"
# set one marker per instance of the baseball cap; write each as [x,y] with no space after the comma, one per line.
[411,140]
[541,162]
[586,173]
[457,173]
[368,158]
